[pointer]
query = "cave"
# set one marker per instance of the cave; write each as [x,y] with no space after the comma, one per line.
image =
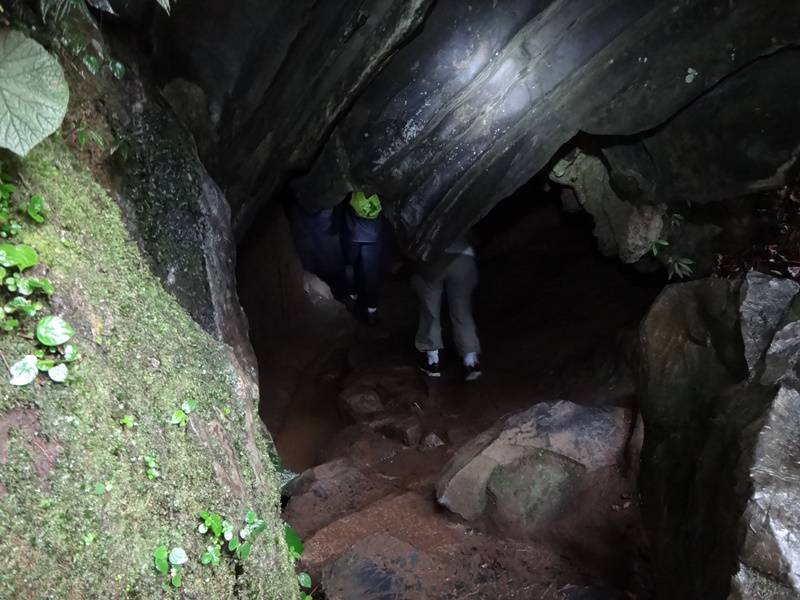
[623,176]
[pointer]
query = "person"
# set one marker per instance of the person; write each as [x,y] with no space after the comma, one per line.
[363,233]
[316,235]
[456,272]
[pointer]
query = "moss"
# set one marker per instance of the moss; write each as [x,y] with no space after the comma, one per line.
[142,355]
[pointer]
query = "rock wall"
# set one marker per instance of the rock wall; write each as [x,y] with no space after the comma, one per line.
[719,464]
[446,108]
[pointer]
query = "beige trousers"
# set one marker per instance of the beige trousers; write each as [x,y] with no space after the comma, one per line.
[458,276]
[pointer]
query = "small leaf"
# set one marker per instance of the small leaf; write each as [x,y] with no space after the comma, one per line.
[177,556]
[100,489]
[24,371]
[45,365]
[70,353]
[233,544]
[160,559]
[59,373]
[53,331]
[304,579]
[178,418]
[250,517]
[92,63]
[127,421]
[293,541]
[117,69]
[189,405]
[175,580]
[243,551]
[36,208]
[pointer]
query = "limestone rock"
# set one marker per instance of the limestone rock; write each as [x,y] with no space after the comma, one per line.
[783,357]
[621,228]
[764,302]
[719,476]
[771,520]
[556,441]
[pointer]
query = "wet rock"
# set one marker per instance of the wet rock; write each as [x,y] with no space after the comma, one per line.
[719,465]
[321,495]
[764,302]
[554,442]
[408,431]
[382,397]
[378,567]
[360,403]
[533,489]
[431,441]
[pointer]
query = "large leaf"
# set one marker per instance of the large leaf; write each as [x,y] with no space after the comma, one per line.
[18,255]
[33,92]
[53,331]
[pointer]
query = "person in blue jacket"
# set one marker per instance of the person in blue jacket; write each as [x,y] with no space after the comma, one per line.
[363,245]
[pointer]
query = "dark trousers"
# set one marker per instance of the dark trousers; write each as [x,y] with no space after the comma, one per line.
[367,261]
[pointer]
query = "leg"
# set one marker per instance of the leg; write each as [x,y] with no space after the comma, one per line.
[351,252]
[461,279]
[429,332]
[371,273]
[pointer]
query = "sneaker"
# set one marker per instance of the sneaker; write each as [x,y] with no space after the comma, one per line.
[431,369]
[472,372]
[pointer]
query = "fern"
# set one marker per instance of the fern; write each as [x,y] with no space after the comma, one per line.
[55,10]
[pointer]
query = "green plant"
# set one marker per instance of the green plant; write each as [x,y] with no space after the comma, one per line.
[84,135]
[223,535]
[171,562]
[676,220]
[153,468]
[295,546]
[680,267]
[657,245]
[8,226]
[56,10]
[53,333]
[127,422]
[181,416]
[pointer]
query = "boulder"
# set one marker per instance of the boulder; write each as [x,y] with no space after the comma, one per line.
[524,468]
[719,476]
[321,495]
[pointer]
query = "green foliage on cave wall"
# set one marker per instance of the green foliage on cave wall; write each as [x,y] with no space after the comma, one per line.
[79,516]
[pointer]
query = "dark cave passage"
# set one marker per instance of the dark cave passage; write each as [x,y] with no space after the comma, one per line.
[558,321]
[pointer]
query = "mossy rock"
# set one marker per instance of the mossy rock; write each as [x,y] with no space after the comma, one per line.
[61,536]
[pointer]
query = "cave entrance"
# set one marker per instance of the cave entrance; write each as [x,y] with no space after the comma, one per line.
[558,321]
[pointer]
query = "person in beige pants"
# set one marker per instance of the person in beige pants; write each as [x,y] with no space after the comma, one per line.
[457,274]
